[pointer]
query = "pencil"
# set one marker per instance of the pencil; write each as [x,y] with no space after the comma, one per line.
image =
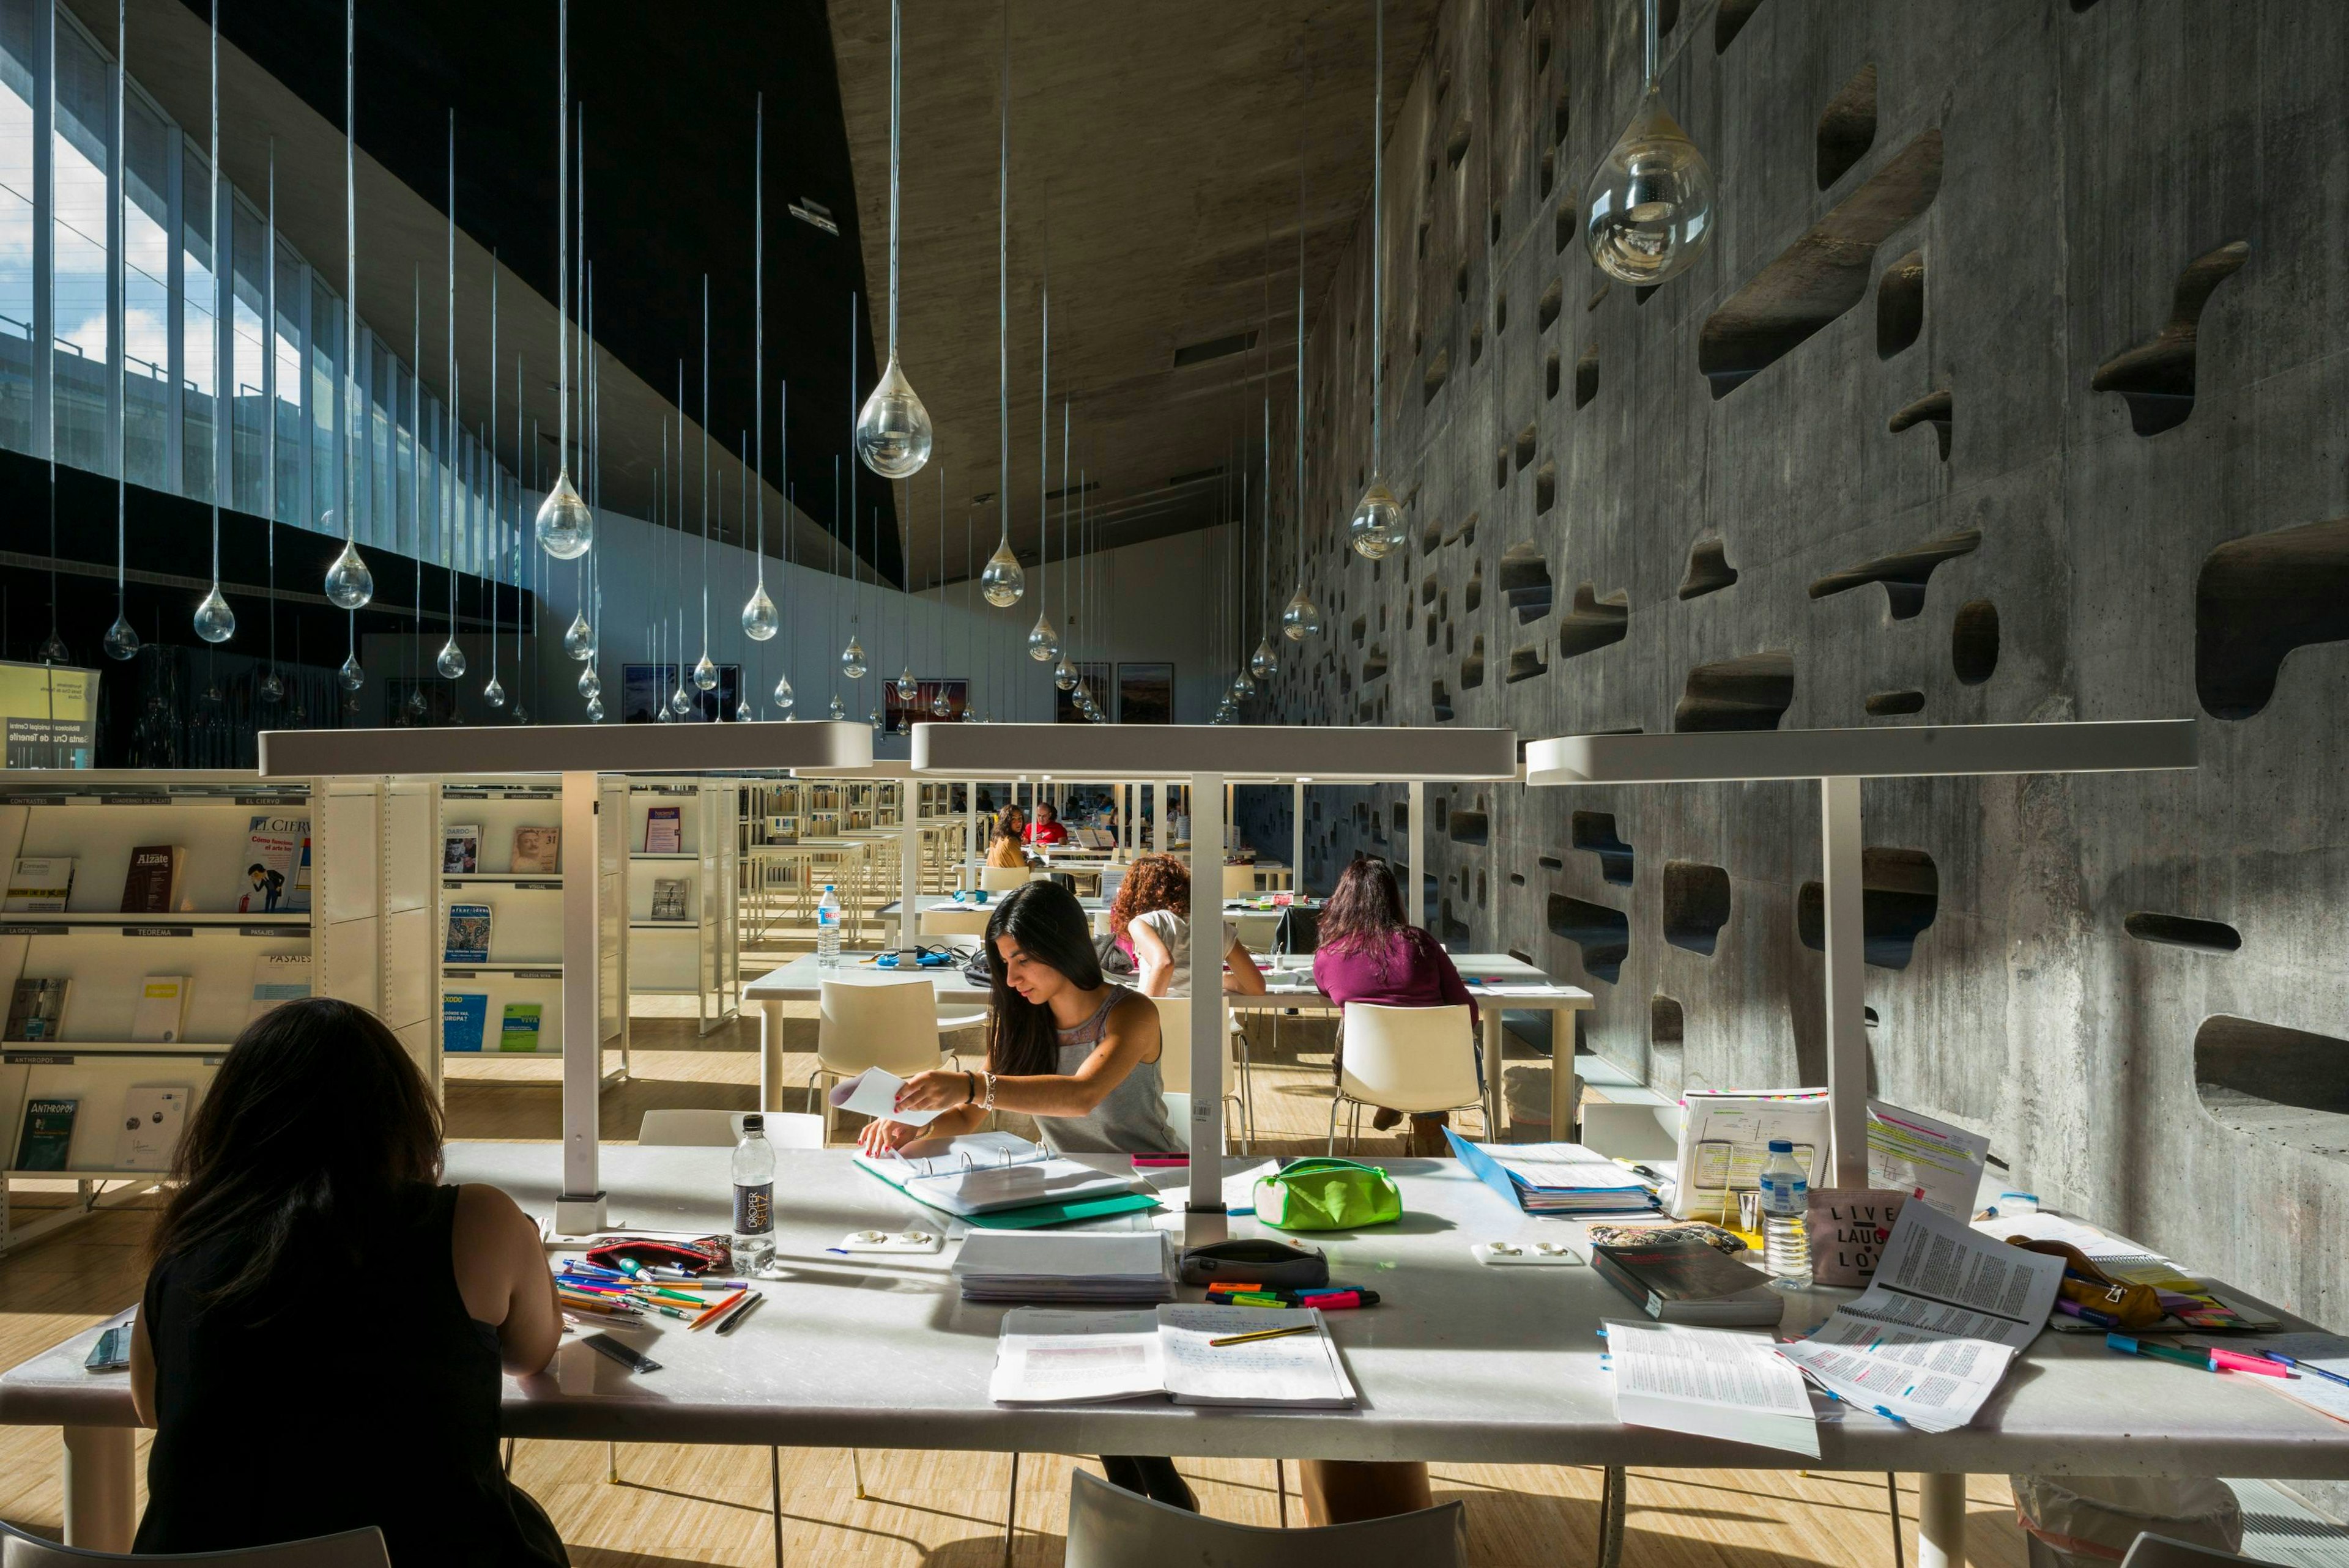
[1266,1334]
[712,1311]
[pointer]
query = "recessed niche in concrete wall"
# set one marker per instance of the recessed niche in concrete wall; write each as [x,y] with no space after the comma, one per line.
[1455,930]
[1544,488]
[2258,598]
[1603,934]
[1525,663]
[1550,376]
[1525,582]
[1901,892]
[1591,623]
[1595,831]
[1934,409]
[2183,931]
[1696,904]
[2157,377]
[1974,642]
[1750,692]
[1900,304]
[1472,592]
[1822,274]
[1586,377]
[1469,828]
[1374,665]
[1848,129]
[1553,300]
[1904,572]
[1729,20]
[1527,440]
[1709,569]
[1472,668]
[1667,1023]
[2288,1084]
[1892,704]
[1440,701]
[1439,369]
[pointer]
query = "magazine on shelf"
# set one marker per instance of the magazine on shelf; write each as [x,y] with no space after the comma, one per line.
[39,885]
[665,831]
[46,1140]
[160,1016]
[518,1026]
[464,1016]
[152,1114]
[36,1009]
[670,896]
[274,878]
[469,934]
[278,978]
[537,851]
[151,885]
[460,850]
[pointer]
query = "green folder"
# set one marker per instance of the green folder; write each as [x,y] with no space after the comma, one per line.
[1037,1216]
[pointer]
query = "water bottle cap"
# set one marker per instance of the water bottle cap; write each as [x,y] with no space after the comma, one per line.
[1782,1146]
[754,1122]
[827,887]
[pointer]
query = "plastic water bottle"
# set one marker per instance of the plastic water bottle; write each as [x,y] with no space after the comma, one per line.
[754,1195]
[827,930]
[1786,1216]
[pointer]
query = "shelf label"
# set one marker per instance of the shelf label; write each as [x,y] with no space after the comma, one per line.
[538,973]
[271,931]
[541,886]
[28,930]
[458,974]
[273,800]
[33,1059]
[164,931]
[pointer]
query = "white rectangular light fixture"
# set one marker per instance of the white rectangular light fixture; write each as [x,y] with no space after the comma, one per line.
[1906,751]
[566,748]
[1333,755]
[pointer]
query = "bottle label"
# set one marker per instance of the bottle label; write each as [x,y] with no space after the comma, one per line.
[754,1208]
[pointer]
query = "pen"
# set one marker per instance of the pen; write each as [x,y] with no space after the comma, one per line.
[2304,1366]
[2086,1313]
[733,1319]
[2126,1345]
[1264,1334]
[717,1308]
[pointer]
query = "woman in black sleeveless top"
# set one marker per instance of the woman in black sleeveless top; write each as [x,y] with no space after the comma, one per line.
[322,1337]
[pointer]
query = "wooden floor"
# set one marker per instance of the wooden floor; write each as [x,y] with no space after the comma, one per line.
[705,1505]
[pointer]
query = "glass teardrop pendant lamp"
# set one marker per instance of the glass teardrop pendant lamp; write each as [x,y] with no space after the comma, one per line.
[214,621]
[784,696]
[873,718]
[1064,674]
[452,660]
[1376,529]
[1264,664]
[1648,207]
[594,710]
[494,694]
[852,659]
[759,620]
[1242,686]
[1044,642]
[941,705]
[743,713]
[565,527]
[1003,582]
[590,683]
[680,702]
[53,650]
[121,641]
[415,704]
[351,677]
[578,638]
[893,431]
[839,710]
[1300,618]
[350,584]
[908,688]
[272,688]
[705,674]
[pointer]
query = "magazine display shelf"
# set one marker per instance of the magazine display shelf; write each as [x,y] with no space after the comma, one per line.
[97,819]
[699,956]
[525,967]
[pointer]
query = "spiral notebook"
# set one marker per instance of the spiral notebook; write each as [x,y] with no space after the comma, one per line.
[984,1173]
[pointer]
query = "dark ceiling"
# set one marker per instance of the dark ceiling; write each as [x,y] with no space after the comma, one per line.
[668,95]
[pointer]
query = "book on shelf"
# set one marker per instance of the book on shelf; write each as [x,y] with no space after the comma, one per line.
[665,831]
[670,895]
[537,851]
[152,1114]
[518,1026]
[39,885]
[278,978]
[460,850]
[275,878]
[160,1016]
[36,1009]
[151,885]
[1686,1281]
[464,1014]
[46,1138]
[469,934]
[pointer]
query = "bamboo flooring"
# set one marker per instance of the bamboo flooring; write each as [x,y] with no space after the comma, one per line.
[677,1504]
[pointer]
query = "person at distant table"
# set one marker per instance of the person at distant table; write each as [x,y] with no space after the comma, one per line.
[1366,951]
[1046,830]
[1151,918]
[1003,851]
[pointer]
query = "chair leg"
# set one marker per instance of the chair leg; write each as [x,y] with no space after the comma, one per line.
[611,1463]
[1010,1510]
[1280,1488]
[775,1498]
[1610,1517]
[1892,1505]
[508,1458]
[1334,1098]
[856,1469]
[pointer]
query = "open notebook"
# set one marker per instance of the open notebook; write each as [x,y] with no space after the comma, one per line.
[1050,1356]
[985,1171]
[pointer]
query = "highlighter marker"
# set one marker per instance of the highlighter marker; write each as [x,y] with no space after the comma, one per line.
[2236,1361]
[2129,1345]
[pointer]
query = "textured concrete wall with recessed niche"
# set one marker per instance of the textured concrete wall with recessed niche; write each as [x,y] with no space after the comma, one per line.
[2011,388]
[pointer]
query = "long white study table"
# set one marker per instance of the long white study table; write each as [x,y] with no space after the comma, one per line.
[1459,1363]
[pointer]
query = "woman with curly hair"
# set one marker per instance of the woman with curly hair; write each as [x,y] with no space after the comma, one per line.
[1151,918]
[1004,851]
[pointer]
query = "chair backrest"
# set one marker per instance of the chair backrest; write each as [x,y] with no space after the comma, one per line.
[891,1024]
[1629,1131]
[723,1128]
[1239,880]
[1110,1527]
[1175,1047]
[956,921]
[1409,1059]
[1001,878]
[2151,1551]
[351,1549]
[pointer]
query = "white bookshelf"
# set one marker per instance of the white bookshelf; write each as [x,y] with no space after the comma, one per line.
[98,819]
[699,956]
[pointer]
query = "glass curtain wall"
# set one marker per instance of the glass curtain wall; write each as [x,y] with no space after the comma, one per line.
[281,369]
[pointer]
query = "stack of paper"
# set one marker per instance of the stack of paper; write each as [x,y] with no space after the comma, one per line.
[1070,1267]
[1930,1339]
[1555,1178]
[1710,1382]
[986,1172]
[1046,1357]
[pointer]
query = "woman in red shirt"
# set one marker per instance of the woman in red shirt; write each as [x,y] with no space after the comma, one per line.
[1046,828]
[1366,953]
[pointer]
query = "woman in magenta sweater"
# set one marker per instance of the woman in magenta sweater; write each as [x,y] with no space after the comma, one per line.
[1366,953]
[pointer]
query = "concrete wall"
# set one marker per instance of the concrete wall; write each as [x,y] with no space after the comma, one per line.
[1899,497]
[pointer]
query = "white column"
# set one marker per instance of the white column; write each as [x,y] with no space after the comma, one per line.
[909,865]
[1207,1045]
[972,854]
[1158,815]
[580,1205]
[1297,840]
[1941,1509]
[1414,896]
[1846,989]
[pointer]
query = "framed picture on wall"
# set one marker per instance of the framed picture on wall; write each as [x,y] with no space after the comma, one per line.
[1095,677]
[643,687]
[902,716]
[1145,694]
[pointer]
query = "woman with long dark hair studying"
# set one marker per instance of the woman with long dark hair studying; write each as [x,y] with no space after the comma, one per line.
[307,1185]
[1366,951]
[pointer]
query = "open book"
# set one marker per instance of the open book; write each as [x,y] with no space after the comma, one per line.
[982,1172]
[1046,1357]
[1709,1381]
[1930,1339]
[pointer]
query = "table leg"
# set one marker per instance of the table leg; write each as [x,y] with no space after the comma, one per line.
[100,1488]
[1491,1021]
[1941,1521]
[770,1055]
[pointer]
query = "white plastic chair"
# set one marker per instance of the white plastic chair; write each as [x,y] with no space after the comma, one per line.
[2151,1551]
[956,921]
[1240,882]
[350,1549]
[1175,1070]
[1002,879]
[1410,1059]
[723,1128]
[1110,1527]
[889,1024]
